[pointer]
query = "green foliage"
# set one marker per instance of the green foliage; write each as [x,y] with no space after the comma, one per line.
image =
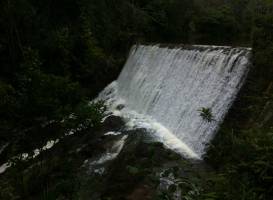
[86,115]
[214,23]
[132,170]
[7,101]
[49,178]
[206,114]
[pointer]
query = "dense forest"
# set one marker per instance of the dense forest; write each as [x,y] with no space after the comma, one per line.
[55,56]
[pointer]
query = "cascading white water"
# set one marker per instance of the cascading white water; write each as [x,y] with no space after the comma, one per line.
[162,89]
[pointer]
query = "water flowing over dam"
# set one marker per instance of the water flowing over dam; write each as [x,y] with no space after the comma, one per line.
[162,88]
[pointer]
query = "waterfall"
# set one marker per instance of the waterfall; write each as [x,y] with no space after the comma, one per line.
[162,88]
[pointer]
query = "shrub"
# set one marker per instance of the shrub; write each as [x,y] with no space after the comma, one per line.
[206,114]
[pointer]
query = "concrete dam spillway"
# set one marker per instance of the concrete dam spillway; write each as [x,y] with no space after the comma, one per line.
[162,88]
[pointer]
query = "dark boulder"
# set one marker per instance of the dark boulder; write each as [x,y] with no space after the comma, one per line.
[112,123]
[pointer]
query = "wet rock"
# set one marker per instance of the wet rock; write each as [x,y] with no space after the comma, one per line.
[112,123]
[142,192]
[120,107]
